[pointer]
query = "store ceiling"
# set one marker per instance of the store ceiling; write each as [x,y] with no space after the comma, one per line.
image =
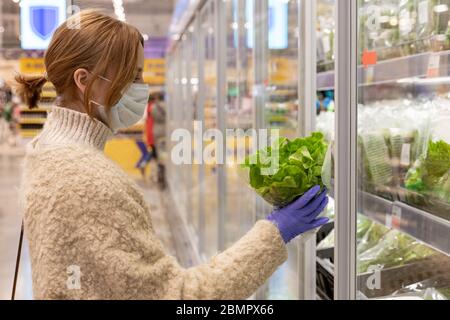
[151,17]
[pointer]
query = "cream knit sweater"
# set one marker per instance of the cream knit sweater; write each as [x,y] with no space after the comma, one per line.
[91,236]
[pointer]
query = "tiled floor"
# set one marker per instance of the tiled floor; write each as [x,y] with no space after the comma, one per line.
[10,222]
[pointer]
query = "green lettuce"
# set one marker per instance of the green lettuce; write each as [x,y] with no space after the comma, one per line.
[393,250]
[299,169]
[431,173]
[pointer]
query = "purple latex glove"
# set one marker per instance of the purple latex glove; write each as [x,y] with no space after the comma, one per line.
[301,215]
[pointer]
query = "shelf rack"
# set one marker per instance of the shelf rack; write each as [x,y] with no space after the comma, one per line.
[424,226]
[392,70]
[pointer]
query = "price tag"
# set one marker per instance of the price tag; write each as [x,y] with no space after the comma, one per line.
[370,73]
[369,58]
[388,221]
[396,217]
[433,65]
[423,12]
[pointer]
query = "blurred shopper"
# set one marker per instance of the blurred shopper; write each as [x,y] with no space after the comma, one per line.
[147,146]
[9,116]
[148,131]
[88,225]
[158,113]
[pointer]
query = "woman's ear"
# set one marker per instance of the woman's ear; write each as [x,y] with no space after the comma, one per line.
[80,77]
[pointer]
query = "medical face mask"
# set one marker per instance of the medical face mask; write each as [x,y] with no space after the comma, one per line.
[129,109]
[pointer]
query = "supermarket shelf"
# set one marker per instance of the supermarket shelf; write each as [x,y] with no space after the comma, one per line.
[417,223]
[29,133]
[391,70]
[325,81]
[41,109]
[32,120]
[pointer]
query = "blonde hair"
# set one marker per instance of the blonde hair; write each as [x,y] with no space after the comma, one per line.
[97,43]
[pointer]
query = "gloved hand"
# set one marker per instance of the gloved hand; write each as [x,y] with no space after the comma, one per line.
[301,215]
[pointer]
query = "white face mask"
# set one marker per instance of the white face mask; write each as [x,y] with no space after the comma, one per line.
[129,109]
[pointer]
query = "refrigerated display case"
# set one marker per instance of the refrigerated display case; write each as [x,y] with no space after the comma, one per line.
[403,142]
[385,65]
[392,110]
[243,83]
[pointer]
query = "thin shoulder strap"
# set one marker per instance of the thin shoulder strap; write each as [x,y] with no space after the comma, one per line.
[16,272]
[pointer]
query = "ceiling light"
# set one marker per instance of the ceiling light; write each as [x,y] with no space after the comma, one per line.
[119,10]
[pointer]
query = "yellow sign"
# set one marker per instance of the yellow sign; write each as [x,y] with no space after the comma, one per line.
[155,71]
[32,65]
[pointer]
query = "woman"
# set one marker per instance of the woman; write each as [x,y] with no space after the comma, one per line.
[87,223]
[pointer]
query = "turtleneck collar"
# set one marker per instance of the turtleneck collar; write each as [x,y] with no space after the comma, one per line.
[65,126]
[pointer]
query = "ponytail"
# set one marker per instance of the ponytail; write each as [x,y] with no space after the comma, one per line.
[29,88]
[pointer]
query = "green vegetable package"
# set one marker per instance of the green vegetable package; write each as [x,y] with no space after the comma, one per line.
[299,169]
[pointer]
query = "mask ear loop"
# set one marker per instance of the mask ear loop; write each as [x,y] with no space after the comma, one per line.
[103,78]
[100,107]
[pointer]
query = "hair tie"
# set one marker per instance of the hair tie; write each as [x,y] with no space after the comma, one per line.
[46,76]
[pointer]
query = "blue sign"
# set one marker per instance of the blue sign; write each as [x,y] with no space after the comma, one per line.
[44,20]
[38,20]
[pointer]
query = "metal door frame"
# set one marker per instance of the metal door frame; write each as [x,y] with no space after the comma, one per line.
[346,150]
[221,86]
[307,15]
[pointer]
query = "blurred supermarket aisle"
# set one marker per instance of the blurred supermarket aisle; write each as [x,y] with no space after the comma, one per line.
[166,228]
[10,221]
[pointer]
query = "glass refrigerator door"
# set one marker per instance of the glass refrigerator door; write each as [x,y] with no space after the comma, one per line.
[276,82]
[193,81]
[403,220]
[174,100]
[240,204]
[209,232]
[185,123]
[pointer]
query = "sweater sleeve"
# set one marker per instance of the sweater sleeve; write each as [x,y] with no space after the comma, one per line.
[239,271]
[125,260]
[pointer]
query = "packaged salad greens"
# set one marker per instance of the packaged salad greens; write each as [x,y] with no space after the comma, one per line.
[300,164]
[393,250]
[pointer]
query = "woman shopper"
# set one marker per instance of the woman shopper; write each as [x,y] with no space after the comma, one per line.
[88,225]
